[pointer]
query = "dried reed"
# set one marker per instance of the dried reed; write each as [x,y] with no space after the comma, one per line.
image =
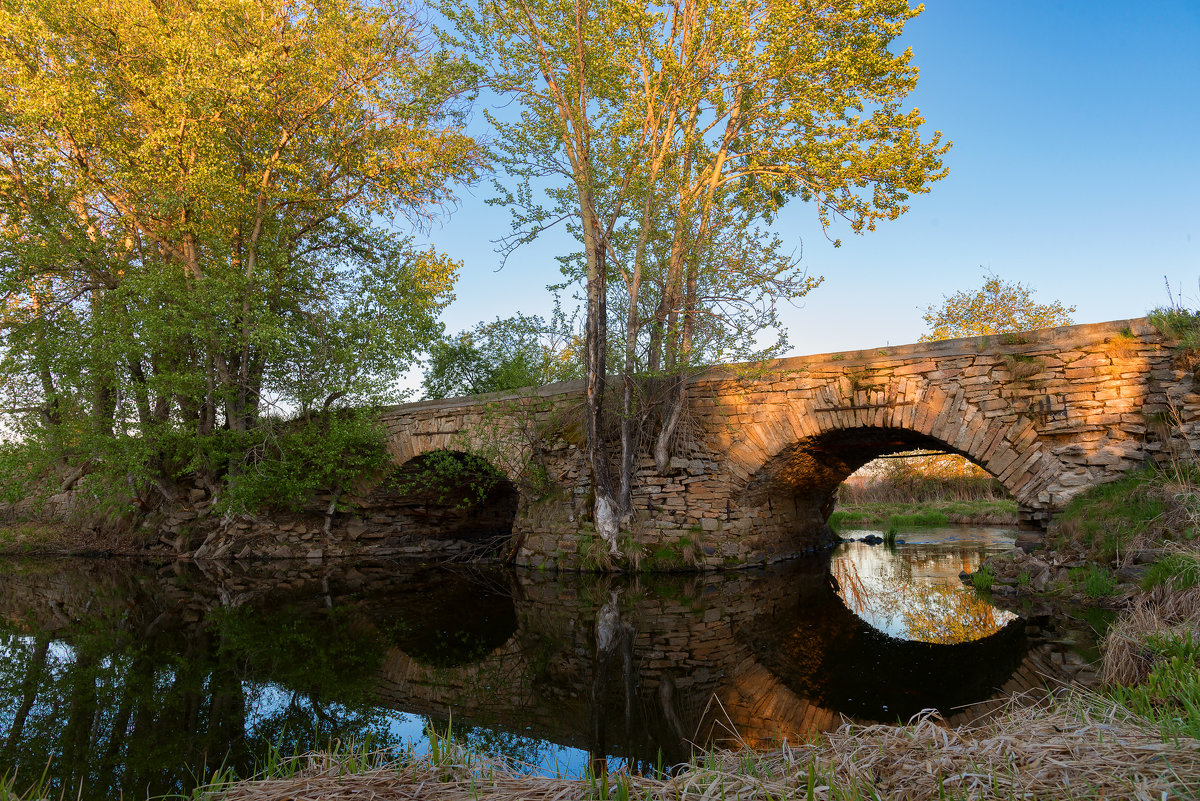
[1163,612]
[1074,746]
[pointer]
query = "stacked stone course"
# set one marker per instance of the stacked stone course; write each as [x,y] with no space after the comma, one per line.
[764,447]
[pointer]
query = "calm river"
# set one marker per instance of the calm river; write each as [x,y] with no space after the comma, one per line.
[126,679]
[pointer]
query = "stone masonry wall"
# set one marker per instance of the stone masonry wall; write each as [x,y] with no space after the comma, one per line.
[764,448]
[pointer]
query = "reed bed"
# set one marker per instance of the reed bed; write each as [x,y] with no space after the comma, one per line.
[1076,745]
[1157,614]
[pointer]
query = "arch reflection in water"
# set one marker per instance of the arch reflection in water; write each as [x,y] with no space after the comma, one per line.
[912,590]
[612,666]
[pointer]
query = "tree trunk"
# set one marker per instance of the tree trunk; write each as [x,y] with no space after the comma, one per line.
[29,687]
[606,509]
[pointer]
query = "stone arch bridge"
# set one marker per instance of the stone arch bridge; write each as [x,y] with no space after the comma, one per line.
[765,447]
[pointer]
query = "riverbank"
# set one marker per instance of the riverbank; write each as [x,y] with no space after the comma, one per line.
[1076,745]
[976,512]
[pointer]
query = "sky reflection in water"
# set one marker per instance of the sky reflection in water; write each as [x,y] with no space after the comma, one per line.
[125,679]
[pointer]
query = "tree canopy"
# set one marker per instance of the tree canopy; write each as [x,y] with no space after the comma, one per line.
[191,201]
[996,307]
[505,354]
[666,134]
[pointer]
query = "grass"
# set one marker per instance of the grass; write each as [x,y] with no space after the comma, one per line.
[28,537]
[983,579]
[927,513]
[1076,745]
[1140,510]
[1152,660]
[1170,693]
[1095,581]
[1177,323]
[1179,570]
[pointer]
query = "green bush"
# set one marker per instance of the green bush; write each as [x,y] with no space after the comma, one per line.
[287,464]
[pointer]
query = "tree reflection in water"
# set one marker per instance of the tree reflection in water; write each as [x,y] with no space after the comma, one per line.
[913,592]
[129,681]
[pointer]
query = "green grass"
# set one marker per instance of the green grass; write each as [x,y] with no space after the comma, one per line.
[1175,322]
[1179,571]
[1095,581]
[28,535]
[983,579]
[926,513]
[929,518]
[1104,520]
[1170,694]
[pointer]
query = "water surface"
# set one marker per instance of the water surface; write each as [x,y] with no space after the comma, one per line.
[127,679]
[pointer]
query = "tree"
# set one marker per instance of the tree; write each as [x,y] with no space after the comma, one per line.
[190,197]
[686,124]
[505,354]
[995,308]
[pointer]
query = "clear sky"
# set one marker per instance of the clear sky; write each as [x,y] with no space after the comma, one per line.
[1074,170]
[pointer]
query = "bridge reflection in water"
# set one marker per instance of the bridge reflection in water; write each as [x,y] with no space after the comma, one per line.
[124,679]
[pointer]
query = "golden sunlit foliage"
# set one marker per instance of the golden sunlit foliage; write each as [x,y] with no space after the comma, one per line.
[196,191]
[995,308]
[669,136]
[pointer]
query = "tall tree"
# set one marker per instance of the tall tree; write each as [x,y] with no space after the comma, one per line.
[690,120]
[188,202]
[996,307]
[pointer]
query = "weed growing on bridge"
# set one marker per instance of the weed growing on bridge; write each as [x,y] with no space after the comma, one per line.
[1178,324]
[1021,367]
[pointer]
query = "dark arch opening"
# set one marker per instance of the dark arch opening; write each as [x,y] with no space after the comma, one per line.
[449,495]
[796,491]
[913,593]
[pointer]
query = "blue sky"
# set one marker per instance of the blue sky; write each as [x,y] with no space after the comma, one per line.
[1074,170]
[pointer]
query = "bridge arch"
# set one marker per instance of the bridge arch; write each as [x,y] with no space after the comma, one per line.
[445,495]
[794,460]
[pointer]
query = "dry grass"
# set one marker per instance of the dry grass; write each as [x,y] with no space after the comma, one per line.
[1074,746]
[1161,613]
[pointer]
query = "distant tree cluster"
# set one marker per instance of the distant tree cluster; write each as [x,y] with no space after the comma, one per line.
[505,354]
[997,307]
